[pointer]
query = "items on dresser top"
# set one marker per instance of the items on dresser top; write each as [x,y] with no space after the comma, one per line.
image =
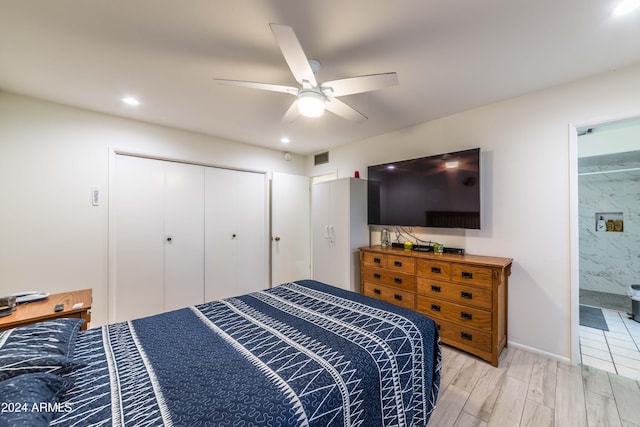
[465,294]
[7,305]
[74,304]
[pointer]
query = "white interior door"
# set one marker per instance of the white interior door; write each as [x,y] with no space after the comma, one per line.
[137,193]
[290,228]
[183,235]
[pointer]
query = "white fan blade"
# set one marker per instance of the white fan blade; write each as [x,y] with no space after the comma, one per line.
[292,113]
[343,110]
[361,84]
[255,85]
[293,53]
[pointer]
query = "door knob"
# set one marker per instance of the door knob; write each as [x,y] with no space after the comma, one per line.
[169,239]
[277,238]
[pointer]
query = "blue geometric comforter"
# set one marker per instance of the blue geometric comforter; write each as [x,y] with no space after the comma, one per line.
[299,354]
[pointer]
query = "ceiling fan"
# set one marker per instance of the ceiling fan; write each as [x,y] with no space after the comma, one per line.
[312,96]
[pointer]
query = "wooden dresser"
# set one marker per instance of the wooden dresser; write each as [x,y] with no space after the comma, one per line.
[466,295]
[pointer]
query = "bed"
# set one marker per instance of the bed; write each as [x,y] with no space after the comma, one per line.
[302,353]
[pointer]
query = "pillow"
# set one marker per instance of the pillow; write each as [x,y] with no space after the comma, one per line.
[41,347]
[13,363]
[32,399]
[53,337]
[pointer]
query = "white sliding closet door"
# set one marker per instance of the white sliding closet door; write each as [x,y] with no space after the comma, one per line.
[236,246]
[138,254]
[158,210]
[184,235]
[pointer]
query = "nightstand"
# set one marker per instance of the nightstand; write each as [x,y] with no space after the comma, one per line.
[38,311]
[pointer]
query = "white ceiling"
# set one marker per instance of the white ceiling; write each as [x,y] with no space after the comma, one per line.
[450,56]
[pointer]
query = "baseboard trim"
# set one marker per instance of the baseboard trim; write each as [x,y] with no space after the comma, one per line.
[546,354]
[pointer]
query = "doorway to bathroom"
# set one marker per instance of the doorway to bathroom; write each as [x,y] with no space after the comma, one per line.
[608,183]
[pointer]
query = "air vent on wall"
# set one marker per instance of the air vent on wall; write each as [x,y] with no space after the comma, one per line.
[321,158]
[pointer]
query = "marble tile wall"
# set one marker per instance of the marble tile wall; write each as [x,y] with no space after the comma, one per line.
[609,261]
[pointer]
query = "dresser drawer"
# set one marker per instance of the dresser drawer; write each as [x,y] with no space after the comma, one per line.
[460,294]
[434,269]
[390,278]
[471,317]
[375,260]
[394,296]
[472,275]
[453,334]
[401,263]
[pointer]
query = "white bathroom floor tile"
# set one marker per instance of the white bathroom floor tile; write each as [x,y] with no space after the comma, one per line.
[626,343]
[634,374]
[620,351]
[598,344]
[620,335]
[616,350]
[592,334]
[598,363]
[596,353]
[626,361]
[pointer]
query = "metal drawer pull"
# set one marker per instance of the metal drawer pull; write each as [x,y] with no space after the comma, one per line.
[376,291]
[466,295]
[397,280]
[435,307]
[397,263]
[467,275]
[466,316]
[466,336]
[376,275]
[398,297]
[377,260]
[435,269]
[435,288]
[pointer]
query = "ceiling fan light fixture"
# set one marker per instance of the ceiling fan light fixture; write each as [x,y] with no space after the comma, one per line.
[310,104]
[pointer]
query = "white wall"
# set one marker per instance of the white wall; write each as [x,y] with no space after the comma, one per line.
[525,189]
[52,238]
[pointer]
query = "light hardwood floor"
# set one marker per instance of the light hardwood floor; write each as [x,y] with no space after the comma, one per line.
[530,390]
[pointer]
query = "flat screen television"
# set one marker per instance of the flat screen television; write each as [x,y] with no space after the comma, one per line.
[436,191]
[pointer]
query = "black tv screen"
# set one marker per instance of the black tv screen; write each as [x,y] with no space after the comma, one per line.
[436,191]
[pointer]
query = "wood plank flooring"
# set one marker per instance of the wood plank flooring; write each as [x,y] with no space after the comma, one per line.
[529,390]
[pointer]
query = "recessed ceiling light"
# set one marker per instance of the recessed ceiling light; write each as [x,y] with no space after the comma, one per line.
[130,100]
[285,140]
[626,6]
